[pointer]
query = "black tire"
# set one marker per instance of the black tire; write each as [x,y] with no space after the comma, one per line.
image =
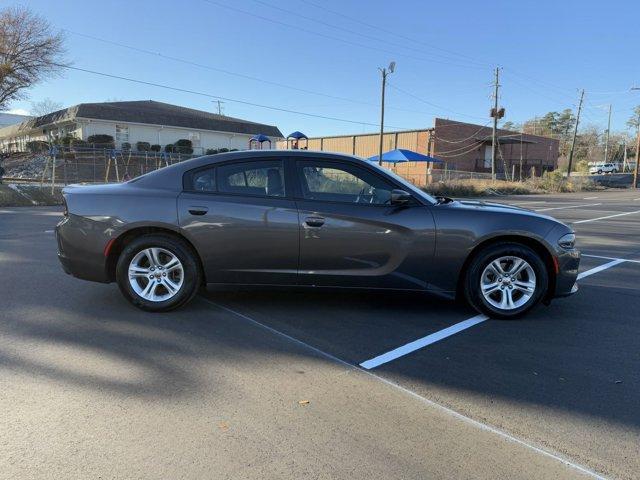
[472,289]
[599,172]
[192,274]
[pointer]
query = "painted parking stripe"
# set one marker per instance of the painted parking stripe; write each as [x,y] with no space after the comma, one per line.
[589,198]
[608,216]
[422,342]
[572,206]
[417,396]
[610,258]
[612,263]
[458,327]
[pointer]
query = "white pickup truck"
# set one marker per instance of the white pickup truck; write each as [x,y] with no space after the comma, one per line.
[601,168]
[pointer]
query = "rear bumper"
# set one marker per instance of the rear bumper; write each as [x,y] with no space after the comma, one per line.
[80,253]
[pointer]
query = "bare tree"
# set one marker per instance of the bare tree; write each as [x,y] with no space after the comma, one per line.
[30,51]
[44,106]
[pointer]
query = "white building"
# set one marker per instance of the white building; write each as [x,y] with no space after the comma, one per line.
[138,121]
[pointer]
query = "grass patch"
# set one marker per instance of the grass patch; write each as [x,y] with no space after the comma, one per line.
[550,182]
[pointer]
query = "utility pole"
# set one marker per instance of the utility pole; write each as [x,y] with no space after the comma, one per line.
[575,133]
[219,102]
[385,72]
[606,145]
[635,170]
[494,114]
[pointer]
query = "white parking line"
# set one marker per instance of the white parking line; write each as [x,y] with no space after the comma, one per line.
[572,206]
[600,268]
[420,398]
[611,258]
[422,342]
[608,216]
[590,198]
[458,327]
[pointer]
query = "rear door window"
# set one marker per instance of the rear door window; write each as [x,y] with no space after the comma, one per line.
[260,178]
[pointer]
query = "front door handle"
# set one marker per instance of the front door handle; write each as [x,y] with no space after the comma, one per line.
[198,210]
[314,221]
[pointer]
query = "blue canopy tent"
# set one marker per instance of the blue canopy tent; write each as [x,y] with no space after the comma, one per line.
[400,155]
[295,139]
[258,140]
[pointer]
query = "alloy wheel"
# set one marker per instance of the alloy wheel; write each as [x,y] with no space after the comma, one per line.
[508,282]
[156,274]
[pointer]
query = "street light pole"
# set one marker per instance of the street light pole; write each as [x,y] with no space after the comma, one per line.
[385,72]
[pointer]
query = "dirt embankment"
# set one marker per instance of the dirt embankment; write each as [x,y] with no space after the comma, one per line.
[12,195]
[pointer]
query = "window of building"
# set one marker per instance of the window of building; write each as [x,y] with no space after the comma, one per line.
[195,139]
[487,156]
[122,133]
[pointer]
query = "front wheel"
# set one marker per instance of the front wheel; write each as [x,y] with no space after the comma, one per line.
[158,273]
[506,280]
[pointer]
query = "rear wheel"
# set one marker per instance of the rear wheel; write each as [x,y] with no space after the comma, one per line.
[158,273]
[506,280]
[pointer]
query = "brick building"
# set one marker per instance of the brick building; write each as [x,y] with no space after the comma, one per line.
[461,146]
[467,147]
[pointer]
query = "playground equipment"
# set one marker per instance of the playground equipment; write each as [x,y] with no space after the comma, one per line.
[257,142]
[295,138]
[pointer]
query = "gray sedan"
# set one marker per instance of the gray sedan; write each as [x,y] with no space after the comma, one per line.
[308,219]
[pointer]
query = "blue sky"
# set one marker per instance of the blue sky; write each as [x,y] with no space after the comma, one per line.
[445,54]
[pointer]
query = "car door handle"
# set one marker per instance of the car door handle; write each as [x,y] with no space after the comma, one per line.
[198,210]
[314,221]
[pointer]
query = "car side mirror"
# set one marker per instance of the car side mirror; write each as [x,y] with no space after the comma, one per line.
[399,197]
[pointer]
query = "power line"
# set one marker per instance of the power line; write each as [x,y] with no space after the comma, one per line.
[352,32]
[390,32]
[464,139]
[209,95]
[432,104]
[236,74]
[331,37]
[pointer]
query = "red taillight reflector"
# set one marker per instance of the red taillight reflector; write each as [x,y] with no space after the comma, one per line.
[107,247]
[556,265]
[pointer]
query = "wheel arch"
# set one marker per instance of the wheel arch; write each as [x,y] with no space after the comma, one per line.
[121,241]
[535,244]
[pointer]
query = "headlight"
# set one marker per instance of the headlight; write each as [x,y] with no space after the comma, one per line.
[567,241]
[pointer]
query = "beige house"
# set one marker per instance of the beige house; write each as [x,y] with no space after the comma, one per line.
[138,121]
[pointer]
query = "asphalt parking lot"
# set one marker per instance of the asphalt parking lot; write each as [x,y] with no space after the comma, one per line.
[321,384]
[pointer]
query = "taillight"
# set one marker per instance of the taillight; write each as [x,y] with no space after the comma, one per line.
[65,210]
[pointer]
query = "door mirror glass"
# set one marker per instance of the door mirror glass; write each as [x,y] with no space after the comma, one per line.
[399,197]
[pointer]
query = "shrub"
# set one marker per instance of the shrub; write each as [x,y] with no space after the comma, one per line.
[183,146]
[67,140]
[223,150]
[169,148]
[212,151]
[126,146]
[233,150]
[79,143]
[37,146]
[101,141]
[155,148]
[143,146]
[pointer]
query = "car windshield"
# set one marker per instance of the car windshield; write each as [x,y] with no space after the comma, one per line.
[406,184]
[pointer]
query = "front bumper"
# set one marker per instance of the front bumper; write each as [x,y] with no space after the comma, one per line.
[568,262]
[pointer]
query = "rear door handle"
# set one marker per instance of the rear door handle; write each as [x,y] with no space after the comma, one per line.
[314,221]
[198,210]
